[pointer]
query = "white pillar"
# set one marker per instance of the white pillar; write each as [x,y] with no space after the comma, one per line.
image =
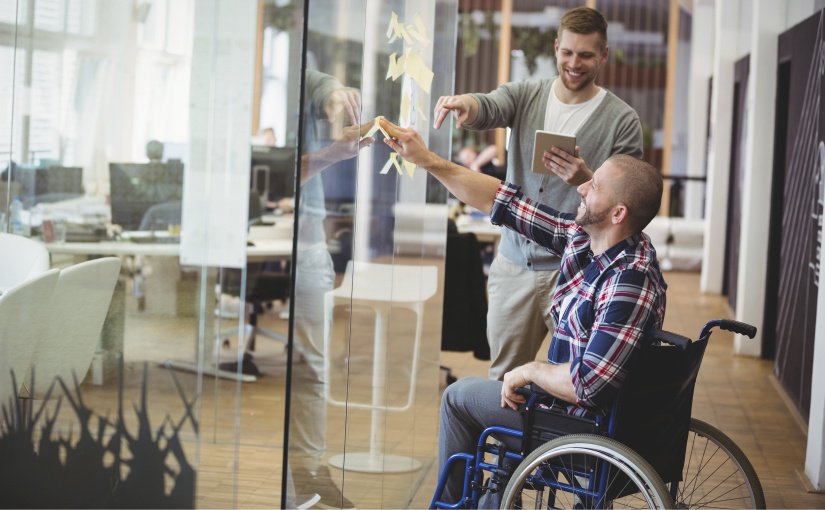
[815,453]
[726,17]
[768,22]
[701,69]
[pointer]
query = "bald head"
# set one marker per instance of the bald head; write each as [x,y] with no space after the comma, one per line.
[640,189]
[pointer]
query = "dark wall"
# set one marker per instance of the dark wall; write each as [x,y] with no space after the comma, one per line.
[794,300]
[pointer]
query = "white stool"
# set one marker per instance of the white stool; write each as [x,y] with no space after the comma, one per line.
[381,287]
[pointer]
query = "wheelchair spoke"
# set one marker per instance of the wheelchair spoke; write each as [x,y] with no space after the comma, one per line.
[716,473]
[576,474]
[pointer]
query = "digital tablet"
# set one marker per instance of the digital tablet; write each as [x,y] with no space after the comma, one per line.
[545,141]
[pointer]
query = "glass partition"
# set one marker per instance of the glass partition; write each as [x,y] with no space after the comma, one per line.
[126,136]
[213,288]
[371,232]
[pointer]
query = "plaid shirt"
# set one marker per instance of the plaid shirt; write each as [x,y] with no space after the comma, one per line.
[603,305]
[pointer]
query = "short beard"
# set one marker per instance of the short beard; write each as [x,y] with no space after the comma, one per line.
[592,218]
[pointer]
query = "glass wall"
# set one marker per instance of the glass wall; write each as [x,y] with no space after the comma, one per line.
[370,251]
[214,291]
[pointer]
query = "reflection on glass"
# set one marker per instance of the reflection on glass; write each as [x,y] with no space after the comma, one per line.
[367,311]
[328,104]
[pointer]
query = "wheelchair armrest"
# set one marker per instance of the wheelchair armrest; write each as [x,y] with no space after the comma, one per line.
[532,389]
[535,393]
[672,338]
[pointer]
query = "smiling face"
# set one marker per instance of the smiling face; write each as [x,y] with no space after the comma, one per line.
[579,58]
[597,199]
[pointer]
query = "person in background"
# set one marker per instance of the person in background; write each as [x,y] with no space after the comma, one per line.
[484,161]
[522,276]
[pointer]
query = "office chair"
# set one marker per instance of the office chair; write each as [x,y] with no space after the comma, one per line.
[263,285]
[20,260]
[22,309]
[78,307]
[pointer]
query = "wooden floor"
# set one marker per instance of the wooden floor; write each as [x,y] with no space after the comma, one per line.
[238,450]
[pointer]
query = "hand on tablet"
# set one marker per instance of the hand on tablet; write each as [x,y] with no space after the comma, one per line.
[569,167]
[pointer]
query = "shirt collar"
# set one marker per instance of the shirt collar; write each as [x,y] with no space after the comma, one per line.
[605,258]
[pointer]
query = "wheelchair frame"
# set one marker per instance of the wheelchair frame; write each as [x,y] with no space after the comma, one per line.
[540,468]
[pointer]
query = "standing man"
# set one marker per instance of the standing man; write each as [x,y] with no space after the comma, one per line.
[523,275]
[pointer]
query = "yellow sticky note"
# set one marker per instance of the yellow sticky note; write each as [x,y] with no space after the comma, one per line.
[400,67]
[383,131]
[409,167]
[375,127]
[419,71]
[394,158]
[393,22]
[405,108]
[425,78]
[396,30]
[422,37]
[393,161]
[391,67]
[422,112]
[413,63]
[419,24]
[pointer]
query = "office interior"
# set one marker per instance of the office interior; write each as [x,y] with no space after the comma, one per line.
[280,299]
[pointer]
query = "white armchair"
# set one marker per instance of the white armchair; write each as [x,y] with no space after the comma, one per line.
[77,309]
[23,310]
[20,260]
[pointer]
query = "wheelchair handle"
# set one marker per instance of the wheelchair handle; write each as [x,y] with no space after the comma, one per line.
[729,325]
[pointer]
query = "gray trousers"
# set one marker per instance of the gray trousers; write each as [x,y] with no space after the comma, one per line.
[469,406]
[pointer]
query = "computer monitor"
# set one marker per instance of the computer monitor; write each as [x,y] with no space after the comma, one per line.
[47,184]
[273,171]
[136,187]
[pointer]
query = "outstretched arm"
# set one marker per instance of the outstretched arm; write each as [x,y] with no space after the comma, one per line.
[473,188]
[344,147]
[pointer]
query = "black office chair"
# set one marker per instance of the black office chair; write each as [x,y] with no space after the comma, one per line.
[263,285]
[464,323]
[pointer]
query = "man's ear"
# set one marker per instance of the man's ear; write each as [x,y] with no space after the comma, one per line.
[556,46]
[605,54]
[620,214]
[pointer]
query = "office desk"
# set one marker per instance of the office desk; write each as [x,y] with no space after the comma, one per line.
[485,231]
[263,249]
[268,249]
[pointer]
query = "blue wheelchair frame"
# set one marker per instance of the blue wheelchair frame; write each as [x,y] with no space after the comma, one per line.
[475,465]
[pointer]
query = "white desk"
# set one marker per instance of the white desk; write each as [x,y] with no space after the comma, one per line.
[263,249]
[271,249]
[485,231]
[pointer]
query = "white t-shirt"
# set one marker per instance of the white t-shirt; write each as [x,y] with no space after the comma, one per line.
[567,118]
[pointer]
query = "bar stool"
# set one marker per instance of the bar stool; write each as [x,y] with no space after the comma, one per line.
[381,287]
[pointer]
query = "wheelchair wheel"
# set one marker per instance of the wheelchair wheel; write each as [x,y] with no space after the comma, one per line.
[569,471]
[716,473]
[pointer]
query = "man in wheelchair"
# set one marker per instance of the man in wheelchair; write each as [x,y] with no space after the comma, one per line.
[610,293]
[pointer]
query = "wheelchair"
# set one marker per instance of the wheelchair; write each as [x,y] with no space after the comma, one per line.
[648,453]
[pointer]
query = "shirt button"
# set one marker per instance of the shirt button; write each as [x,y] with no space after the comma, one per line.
[529,264]
[541,190]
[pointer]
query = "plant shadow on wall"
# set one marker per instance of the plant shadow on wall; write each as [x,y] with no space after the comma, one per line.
[39,470]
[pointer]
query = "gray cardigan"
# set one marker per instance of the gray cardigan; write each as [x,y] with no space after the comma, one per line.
[613,128]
